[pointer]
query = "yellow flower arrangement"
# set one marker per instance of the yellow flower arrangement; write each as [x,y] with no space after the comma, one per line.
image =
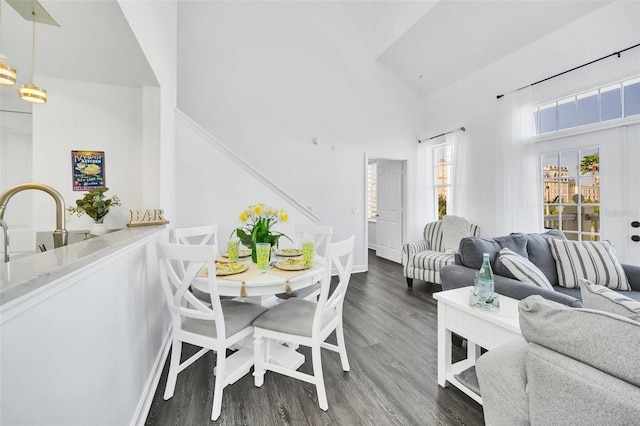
[258,221]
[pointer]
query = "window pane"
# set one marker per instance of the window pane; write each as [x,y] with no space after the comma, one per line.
[610,103]
[566,114]
[569,163]
[588,108]
[632,99]
[442,194]
[372,189]
[547,115]
[535,121]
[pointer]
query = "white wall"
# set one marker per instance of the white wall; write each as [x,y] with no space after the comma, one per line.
[472,101]
[154,23]
[221,191]
[277,74]
[81,349]
[86,116]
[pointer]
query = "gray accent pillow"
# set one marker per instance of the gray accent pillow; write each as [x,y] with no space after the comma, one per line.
[603,340]
[591,260]
[471,249]
[604,299]
[523,269]
[539,253]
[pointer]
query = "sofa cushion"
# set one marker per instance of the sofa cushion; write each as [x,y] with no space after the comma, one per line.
[523,269]
[433,260]
[472,248]
[605,299]
[539,253]
[600,339]
[591,260]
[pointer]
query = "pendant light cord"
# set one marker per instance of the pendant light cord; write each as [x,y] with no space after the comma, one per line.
[33,41]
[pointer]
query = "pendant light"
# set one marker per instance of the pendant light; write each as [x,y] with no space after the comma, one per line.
[8,75]
[31,92]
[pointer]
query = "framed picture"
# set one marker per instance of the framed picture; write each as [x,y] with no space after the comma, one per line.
[87,168]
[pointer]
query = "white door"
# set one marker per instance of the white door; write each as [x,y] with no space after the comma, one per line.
[390,180]
[631,213]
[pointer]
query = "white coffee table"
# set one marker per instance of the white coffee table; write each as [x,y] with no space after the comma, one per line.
[482,329]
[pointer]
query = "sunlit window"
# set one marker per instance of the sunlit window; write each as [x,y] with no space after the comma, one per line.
[442,177]
[372,190]
[571,193]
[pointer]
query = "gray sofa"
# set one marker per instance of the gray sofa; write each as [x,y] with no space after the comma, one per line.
[536,249]
[573,367]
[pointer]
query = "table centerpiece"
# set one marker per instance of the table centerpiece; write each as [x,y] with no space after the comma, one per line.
[258,220]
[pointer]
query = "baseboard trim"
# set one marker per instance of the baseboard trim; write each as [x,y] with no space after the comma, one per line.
[146,399]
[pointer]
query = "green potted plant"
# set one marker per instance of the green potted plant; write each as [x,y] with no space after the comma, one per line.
[95,205]
[258,221]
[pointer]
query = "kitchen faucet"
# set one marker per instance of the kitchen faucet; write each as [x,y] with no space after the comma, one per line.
[5,233]
[59,235]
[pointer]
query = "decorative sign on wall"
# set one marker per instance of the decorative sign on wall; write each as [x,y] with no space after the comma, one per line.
[147,217]
[87,168]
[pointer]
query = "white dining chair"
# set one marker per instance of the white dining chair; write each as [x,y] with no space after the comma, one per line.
[196,235]
[308,323]
[214,327]
[321,237]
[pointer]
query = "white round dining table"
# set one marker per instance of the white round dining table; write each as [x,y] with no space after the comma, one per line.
[261,286]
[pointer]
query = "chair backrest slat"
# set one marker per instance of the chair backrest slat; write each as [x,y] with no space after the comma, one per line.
[196,235]
[339,256]
[179,266]
[319,234]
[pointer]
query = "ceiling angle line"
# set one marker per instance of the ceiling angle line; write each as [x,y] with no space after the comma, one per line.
[618,54]
[16,112]
[459,129]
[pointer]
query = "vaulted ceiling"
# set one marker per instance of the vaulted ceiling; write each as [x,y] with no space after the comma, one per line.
[93,43]
[455,38]
[451,40]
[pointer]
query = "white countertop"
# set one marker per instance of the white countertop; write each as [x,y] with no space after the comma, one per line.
[25,274]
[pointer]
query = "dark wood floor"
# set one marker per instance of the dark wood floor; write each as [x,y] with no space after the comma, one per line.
[391,337]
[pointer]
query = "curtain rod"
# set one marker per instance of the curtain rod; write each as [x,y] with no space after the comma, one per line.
[459,129]
[572,69]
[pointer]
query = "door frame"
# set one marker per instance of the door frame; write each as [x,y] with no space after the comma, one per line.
[405,192]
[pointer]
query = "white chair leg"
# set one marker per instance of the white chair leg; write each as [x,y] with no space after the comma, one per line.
[218,388]
[174,365]
[258,363]
[319,378]
[342,347]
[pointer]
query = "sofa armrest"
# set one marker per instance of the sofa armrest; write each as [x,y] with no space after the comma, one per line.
[456,276]
[411,249]
[503,380]
[633,275]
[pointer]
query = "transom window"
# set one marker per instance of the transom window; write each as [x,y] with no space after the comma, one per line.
[610,102]
[571,193]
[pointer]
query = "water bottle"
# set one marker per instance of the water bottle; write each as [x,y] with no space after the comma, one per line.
[485,281]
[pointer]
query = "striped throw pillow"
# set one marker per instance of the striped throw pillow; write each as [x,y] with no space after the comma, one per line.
[604,299]
[523,269]
[592,260]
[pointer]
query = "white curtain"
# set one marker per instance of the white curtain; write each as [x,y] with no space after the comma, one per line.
[517,207]
[457,141]
[424,188]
